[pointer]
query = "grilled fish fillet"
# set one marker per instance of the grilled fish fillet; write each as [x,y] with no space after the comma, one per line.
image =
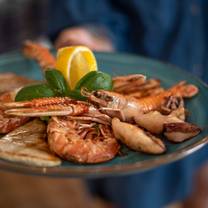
[27,145]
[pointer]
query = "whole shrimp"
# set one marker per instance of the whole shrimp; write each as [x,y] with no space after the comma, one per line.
[126,107]
[81,141]
[39,53]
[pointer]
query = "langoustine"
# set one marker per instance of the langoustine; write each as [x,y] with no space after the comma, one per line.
[128,107]
[81,141]
[80,133]
[136,85]
[39,53]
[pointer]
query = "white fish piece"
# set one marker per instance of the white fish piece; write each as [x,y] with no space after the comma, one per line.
[27,145]
[136,138]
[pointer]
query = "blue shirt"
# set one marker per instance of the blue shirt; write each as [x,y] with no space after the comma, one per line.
[174,31]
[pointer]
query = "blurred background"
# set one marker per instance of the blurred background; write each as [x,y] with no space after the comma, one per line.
[20,20]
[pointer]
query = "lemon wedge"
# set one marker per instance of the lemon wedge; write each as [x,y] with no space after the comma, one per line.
[74,62]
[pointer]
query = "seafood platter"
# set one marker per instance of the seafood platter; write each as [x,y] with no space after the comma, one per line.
[78,120]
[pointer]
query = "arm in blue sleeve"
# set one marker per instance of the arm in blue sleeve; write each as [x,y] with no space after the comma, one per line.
[96,13]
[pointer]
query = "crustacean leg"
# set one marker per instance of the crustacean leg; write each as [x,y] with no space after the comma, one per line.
[93,115]
[171,103]
[55,106]
[81,141]
[136,138]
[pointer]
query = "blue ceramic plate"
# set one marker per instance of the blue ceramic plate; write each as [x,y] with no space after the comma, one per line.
[120,64]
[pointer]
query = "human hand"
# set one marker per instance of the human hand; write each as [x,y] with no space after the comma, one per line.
[83,36]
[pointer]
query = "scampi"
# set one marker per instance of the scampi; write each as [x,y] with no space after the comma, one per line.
[128,107]
[81,141]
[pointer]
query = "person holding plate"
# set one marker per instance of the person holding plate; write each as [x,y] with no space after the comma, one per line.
[166,30]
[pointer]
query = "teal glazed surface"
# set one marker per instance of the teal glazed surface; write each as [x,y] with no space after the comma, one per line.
[131,162]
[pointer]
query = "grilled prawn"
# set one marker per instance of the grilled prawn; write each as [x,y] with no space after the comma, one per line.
[39,53]
[81,141]
[126,107]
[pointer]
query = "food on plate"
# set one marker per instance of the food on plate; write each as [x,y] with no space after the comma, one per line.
[179,132]
[136,138]
[9,123]
[87,115]
[27,145]
[74,62]
[39,53]
[54,106]
[136,86]
[15,82]
[82,141]
[128,107]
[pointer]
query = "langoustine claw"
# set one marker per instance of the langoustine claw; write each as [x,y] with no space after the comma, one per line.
[179,132]
[174,128]
[154,121]
[55,106]
[81,141]
[136,138]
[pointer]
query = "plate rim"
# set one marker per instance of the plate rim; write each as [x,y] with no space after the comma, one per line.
[103,171]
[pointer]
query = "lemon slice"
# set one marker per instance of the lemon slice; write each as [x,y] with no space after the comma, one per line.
[74,62]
